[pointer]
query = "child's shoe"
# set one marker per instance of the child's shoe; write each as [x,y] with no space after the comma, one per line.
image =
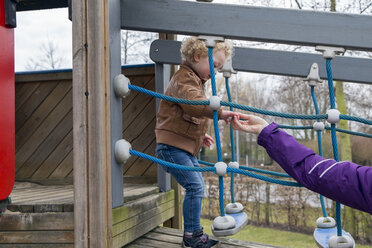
[199,240]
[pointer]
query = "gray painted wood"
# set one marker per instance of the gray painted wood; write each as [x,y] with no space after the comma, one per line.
[276,62]
[115,103]
[249,23]
[162,72]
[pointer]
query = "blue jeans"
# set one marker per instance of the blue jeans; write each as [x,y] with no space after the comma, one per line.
[191,181]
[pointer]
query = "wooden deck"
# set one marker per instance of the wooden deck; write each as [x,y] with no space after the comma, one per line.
[34,198]
[42,216]
[172,238]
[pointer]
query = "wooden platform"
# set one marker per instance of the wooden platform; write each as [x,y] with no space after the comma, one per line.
[34,198]
[172,238]
[43,216]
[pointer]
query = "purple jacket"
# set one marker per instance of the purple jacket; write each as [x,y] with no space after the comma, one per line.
[345,182]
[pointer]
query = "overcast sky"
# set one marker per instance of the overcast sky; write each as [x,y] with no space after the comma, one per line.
[37,27]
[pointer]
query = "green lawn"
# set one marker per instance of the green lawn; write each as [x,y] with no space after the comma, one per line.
[272,236]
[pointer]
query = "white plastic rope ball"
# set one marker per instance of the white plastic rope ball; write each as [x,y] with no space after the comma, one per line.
[215,102]
[333,116]
[122,148]
[233,208]
[344,241]
[211,41]
[121,86]
[318,126]
[325,222]
[234,165]
[224,222]
[220,168]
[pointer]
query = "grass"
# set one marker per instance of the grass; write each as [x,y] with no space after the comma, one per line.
[271,236]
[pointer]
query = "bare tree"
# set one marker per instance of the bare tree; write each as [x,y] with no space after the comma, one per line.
[49,58]
[135,46]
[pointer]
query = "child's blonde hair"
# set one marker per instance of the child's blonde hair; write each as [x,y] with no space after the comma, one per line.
[191,45]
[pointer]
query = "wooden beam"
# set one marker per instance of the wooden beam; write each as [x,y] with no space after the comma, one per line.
[91,124]
[25,5]
[277,25]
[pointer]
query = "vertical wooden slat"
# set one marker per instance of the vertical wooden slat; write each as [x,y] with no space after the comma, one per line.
[91,127]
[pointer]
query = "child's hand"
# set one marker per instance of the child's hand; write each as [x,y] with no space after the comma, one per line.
[248,123]
[228,115]
[207,141]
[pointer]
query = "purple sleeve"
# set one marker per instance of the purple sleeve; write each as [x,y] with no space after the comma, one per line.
[345,182]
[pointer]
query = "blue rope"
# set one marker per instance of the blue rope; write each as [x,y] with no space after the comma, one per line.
[367,135]
[213,169]
[320,147]
[221,200]
[354,118]
[231,141]
[273,113]
[273,173]
[231,129]
[295,127]
[167,98]
[170,165]
[334,138]
[264,178]
[205,163]
[265,112]
[215,124]
[246,108]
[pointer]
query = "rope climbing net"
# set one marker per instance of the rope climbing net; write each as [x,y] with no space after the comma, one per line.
[123,86]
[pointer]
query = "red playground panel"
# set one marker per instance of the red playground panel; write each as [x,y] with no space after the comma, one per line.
[7,119]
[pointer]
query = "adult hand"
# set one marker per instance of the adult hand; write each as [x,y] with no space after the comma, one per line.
[228,115]
[248,123]
[207,141]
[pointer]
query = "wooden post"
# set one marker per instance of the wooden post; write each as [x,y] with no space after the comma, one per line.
[91,124]
[176,221]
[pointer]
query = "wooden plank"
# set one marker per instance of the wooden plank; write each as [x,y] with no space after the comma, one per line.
[147,82]
[91,124]
[140,179]
[135,207]
[140,122]
[52,198]
[38,117]
[29,237]
[135,71]
[152,171]
[140,144]
[50,76]
[135,108]
[45,148]
[23,92]
[157,243]
[34,192]
[40,196]
[64,168]
[168,238]
[233,243]
[139,192]
[63,149]
[127,224]
[142,228]
[38,246]
[23,153]
[33,102]
[141,165]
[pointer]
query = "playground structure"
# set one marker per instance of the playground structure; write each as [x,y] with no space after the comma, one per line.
[97,114]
